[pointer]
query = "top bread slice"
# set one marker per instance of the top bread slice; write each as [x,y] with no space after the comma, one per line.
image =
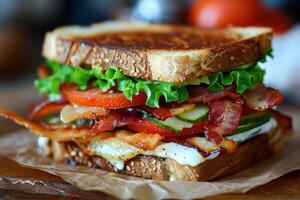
[157,52]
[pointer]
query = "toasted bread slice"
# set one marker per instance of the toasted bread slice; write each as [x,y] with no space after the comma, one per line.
[157,52]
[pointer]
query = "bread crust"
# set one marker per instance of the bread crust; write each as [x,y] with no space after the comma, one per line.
[152,167]
[157,52]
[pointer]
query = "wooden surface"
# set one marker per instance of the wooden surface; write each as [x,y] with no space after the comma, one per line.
[17,182]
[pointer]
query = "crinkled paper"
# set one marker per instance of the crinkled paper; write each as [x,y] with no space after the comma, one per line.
[21,147]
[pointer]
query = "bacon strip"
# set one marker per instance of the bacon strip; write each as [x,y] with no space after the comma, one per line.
[46,107]
[224,118]
[70,113]
[62,126]
[203,95]
[262,98]
[58,135]
[159,113]
[207,146]
[226,115]
[140,140]
[116,118]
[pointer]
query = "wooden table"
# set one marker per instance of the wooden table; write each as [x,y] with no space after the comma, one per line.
[17,182]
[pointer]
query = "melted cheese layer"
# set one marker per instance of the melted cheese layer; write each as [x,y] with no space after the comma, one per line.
[117,152]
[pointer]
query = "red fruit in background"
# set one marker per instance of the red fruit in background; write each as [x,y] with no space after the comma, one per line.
[222,13]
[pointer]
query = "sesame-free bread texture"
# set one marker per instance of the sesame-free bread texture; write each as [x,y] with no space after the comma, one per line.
[157,52]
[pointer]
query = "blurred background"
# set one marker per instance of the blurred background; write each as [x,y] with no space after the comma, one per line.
[23,24]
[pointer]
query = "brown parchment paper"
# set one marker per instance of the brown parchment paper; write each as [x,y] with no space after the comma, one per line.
[21,147]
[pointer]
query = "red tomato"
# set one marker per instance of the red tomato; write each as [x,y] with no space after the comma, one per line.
[93,97]
[146,126]
[221,13]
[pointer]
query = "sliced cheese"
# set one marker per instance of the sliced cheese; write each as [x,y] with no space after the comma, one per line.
[182,154]
[119,164]
[114,149]
[117,152]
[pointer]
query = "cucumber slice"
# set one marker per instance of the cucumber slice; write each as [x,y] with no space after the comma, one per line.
[256,117]
[252,121]
[198,113]
[172,123]
[53,120]
[245,135]
[247,127]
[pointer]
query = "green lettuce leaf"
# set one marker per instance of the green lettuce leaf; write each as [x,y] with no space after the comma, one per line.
[244,78]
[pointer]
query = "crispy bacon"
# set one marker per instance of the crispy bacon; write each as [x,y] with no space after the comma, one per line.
[47,107]
[62,126]
[70,113]
[58,134]
[262,98]
[213,133]
[226,115]
[202,94]
[205,146]
[224,118]
[116,118]
[159,113]
[140,140]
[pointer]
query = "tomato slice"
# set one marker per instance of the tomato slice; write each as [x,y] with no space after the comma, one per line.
[94,97]
[145,126]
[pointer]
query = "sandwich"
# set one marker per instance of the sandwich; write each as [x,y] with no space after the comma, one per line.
[156,101]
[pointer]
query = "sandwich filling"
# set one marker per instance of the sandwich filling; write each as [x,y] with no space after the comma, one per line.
[118,117]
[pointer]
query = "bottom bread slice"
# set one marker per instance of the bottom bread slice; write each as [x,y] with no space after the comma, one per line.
[152,167]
